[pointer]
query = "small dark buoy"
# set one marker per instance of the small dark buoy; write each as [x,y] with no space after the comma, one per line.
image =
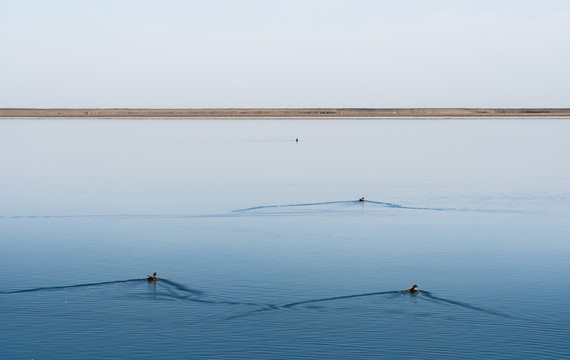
[414,289]
[361,199]
[297,140]
[152,277]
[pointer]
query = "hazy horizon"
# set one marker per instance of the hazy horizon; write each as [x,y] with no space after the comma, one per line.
[297,54]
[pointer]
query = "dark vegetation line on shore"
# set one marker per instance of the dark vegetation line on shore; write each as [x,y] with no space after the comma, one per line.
[287,113]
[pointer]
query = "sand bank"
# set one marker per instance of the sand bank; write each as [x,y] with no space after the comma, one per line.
[293,113]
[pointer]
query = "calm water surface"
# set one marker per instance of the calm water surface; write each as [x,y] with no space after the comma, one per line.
[262,249]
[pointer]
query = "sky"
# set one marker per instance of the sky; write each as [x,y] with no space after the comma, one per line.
[284,53]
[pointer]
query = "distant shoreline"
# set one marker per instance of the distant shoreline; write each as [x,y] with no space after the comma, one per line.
[286,113]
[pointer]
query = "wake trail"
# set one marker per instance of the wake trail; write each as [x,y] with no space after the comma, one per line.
[167,289]
[51,288]
[272,307]
[180,287]
[290,305]
[429,296]
[421,293]
[291,205]
[180,292]
[258,210]
[381,204]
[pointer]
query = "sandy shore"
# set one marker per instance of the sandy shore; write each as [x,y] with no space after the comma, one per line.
[309,113]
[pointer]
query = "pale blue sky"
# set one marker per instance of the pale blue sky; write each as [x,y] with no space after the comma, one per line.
[310,53]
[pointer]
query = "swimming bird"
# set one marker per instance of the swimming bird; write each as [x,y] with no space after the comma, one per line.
[414,289]
[361,199]
[152,277]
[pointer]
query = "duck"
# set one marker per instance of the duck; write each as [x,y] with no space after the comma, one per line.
[152,277]
[361,199]
[414,289]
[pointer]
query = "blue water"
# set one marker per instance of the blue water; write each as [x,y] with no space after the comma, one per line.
[262,249]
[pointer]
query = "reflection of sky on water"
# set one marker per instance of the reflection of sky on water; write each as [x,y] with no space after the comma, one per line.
[85,167]
[262,246]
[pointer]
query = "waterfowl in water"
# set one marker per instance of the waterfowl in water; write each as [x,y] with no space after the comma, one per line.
[361,199]
[152,277]
[414,289]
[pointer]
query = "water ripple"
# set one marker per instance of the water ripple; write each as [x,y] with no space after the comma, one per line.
[368,204]
[279,209]
[421,293]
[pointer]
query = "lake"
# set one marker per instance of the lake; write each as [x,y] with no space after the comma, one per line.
[263,250]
